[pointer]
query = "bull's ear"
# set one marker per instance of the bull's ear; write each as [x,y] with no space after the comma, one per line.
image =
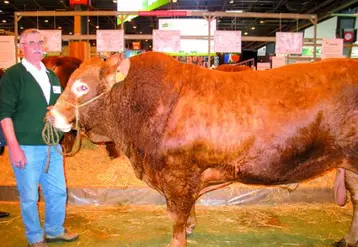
[115,70]
[122,70]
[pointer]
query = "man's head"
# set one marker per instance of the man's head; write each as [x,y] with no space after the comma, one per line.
[32,44]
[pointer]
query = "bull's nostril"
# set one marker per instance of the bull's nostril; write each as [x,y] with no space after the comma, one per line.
[50,119]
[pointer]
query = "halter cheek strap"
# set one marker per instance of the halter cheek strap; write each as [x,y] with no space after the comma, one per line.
[50,133]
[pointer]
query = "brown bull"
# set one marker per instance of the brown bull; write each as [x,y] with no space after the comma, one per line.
[189,130]
[232,68]
[63,68]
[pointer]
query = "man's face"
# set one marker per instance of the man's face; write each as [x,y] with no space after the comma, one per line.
[32,47]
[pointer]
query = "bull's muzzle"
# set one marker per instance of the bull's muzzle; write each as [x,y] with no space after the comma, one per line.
[58,120]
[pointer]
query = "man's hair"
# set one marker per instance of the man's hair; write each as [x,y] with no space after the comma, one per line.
[26,32]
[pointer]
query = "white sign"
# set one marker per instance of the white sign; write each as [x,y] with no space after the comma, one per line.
[227,41]
[289,43]
[194,46]
[110,40]
[188,27]
[332,48]
[53,39]
[278,61]
[7,51]
[166,40]
[263,66]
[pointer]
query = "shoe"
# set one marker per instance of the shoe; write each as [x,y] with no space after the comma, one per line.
[63,237]
[4,214]
[38,244]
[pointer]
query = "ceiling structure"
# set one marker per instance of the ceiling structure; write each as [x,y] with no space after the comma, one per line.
[144,25]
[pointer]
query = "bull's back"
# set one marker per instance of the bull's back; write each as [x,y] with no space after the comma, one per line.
[258,121]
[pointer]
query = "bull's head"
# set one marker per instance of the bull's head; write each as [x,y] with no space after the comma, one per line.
[89,82]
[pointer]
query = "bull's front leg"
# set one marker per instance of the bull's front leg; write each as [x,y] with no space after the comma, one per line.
[351,239]
[190,225]
[179,204]
[179,223]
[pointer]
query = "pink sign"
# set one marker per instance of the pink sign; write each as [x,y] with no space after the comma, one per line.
[166,40]
[289,43]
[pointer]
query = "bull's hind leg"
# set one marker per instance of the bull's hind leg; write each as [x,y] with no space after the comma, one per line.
[351,238]
[340,187]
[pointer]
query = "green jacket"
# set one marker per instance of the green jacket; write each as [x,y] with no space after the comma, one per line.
[22,100]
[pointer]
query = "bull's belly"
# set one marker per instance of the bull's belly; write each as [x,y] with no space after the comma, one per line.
[285,173]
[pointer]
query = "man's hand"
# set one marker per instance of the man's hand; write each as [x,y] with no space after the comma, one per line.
[18,157]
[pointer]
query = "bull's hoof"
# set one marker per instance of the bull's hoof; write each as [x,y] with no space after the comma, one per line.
[342,243]
[189,232]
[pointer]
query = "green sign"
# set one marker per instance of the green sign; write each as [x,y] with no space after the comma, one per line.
[138,5]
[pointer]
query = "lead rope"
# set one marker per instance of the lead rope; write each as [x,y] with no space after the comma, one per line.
[51,137]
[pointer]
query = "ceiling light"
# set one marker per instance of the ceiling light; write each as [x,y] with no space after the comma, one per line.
[232,1]
[262,22]
[3,21]
[46,20]
[253,28]
[6,2]
[115,1]
[234,11]
[246,33]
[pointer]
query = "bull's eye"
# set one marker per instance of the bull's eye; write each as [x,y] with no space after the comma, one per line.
[82,88]
[79,88]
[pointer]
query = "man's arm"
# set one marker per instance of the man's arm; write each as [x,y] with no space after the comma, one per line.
[17,156]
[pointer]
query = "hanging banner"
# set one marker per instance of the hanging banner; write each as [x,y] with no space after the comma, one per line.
[227,41]
[332,48]
[7,51]
[166,40]
[77,2]
[110,40]
[53,40]
[289,43]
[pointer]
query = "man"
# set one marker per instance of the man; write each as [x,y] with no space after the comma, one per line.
[2,147]
[27,89]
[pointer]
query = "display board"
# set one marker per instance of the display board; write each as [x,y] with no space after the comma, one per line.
[278,61]
[166,40]
[227,41]
[110,40]
[332,48]
[263,66]
[53,40]
[7,51]
[289,43]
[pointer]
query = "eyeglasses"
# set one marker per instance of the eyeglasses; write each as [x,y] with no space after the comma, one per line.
[33,43]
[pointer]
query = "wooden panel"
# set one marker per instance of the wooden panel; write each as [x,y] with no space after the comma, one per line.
[80,50]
